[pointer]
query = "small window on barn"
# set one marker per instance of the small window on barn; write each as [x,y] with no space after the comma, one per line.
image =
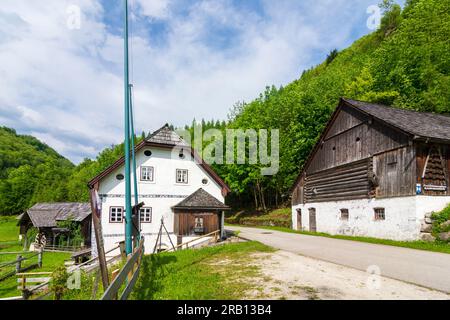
[120,177]
[379,214]
[145,215]
[116,214]
[182,176]
[344,214]
[147,174]
[148,153]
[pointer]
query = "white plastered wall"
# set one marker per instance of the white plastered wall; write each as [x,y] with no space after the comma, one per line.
[404,216]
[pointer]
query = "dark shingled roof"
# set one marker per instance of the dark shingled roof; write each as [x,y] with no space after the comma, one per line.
[201,199]
[166,136]
[420,124]
[44,215]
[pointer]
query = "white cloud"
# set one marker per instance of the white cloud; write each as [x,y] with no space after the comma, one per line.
[158,9]
[66,85]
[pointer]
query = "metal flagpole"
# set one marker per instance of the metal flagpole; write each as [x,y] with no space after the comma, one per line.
[128,219]
[133,161]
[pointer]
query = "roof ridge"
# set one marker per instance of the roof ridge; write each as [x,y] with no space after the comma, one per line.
[395,107]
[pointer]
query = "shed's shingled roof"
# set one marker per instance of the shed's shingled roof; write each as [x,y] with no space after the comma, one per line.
[201,199]
[166,136]
[421,124]
[47,214]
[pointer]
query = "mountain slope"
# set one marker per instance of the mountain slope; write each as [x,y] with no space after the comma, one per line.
[29,171]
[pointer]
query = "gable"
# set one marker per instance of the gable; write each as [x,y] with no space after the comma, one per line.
[346,119]
[165,161]
[351,135]
[165,139]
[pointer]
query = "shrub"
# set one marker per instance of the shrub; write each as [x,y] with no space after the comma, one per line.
[438,219]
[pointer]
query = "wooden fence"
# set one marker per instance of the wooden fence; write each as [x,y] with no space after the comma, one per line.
[128,276]
[17,265]
[195,242]
[62,248]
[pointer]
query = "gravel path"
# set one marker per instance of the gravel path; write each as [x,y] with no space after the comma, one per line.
[424,268]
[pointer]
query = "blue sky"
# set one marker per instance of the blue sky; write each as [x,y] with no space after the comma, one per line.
[190,59]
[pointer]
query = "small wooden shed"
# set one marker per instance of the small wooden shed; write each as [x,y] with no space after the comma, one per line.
[199,214]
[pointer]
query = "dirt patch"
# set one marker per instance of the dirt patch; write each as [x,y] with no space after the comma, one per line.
[285,275]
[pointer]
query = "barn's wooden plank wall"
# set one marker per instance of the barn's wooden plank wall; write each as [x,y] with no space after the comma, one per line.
[395,172]
[340,183]
[353,138]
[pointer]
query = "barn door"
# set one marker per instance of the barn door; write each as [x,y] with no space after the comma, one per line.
[299,219]
[312,220]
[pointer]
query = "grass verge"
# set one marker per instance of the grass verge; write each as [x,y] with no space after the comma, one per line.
[213,273]
[419,245]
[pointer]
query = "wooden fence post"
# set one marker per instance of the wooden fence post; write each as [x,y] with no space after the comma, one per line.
[18,263]
[41,251]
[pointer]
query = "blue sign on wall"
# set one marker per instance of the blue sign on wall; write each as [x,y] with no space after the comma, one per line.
[418,188]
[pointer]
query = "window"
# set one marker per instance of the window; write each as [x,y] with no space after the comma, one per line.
[147,174]
[205,181]
[116,214]
[182,176]
[344,214]
[145,215]
[120,177]
[199,226]
[148,153]
[379,214]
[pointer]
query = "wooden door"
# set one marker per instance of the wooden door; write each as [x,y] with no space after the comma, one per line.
[299,219]
[312,220]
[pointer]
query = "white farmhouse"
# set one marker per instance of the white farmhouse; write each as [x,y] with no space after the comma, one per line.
[376,171]
[174,184]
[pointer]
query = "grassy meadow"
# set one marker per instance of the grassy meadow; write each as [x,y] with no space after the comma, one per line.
[221,272]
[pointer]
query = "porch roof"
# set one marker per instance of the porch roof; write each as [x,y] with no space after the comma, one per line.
[201,200]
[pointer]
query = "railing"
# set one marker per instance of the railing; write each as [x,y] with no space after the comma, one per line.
[129,273]
[89,266]
[214,234]
[39,281]
[62,248]
[18,266]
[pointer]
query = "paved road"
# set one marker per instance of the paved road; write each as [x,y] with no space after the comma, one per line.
[428,269]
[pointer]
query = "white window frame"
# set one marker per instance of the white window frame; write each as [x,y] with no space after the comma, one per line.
[182,176]
[113,212]
[147,217]
[147,174]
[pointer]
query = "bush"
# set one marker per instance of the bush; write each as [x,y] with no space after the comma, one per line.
[58,284]
[438,219]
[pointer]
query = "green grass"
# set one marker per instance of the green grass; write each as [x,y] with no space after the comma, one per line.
[213,273]
[419,245]
[279,217]
[9,235]
[50,260]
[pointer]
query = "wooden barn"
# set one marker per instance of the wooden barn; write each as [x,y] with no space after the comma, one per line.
[46,216]
[376,171]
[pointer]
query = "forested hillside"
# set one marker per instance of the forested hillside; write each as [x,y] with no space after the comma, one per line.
[30,171]
[405,63]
